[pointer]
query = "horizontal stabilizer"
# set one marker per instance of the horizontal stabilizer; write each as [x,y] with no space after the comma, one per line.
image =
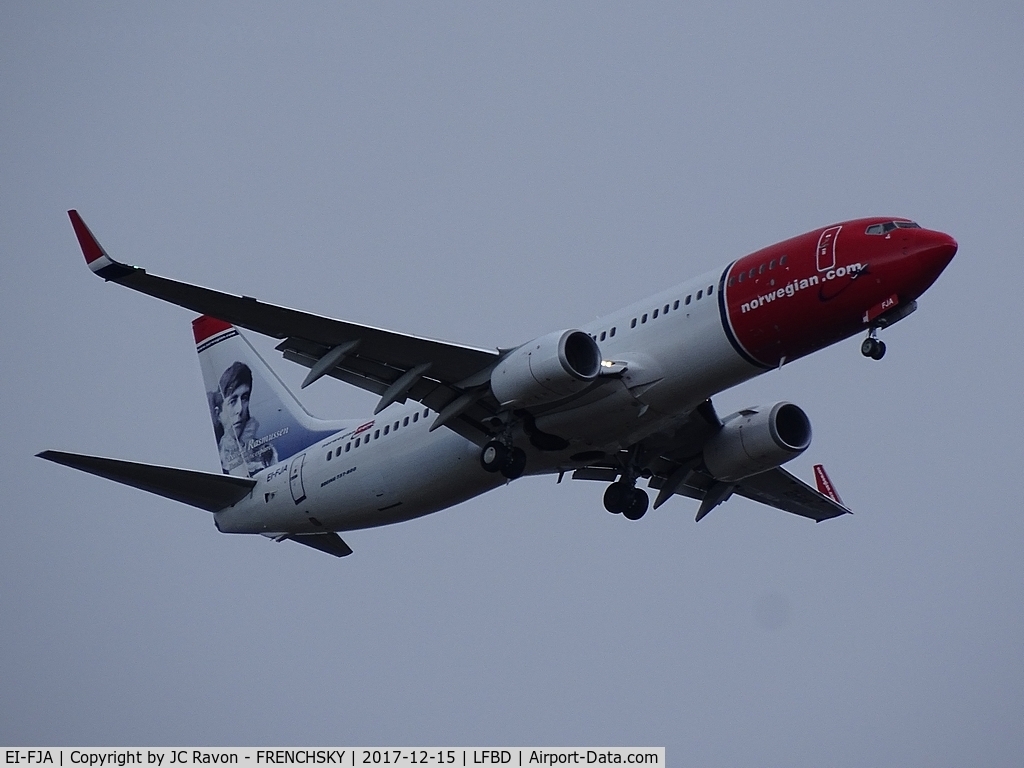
[331,543]
[198,489]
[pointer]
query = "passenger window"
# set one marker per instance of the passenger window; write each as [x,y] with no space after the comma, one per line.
[676,304]
[761,269]
[710,289]
[612,331]
[752,272]
[387,428]
[643,318]
[376,434]
[329,454]
[654,315]
[348,447]
[632,323]
[425,412]
[666,309]
[602,335]
[688,297]
[742,275]
[357,441]
[405,422]
[416,416]
[699,295]
[396,425]
[782,261]
[771,264]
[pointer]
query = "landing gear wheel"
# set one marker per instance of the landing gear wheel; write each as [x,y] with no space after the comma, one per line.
[637,507]
[616,497]
[515,464]
[494,456]
[873,348]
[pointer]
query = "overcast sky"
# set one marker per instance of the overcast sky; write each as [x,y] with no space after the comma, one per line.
[485,173]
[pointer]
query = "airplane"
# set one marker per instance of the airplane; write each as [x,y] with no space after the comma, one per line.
[623,399]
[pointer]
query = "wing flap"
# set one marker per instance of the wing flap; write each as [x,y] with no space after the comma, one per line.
[204,490]
[434,394]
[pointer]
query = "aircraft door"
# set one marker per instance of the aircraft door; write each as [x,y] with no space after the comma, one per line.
[295,479]
[826,253]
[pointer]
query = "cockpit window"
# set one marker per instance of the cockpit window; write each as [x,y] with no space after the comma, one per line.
[889,226]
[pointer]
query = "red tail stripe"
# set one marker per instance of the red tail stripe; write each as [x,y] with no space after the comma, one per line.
[205,326]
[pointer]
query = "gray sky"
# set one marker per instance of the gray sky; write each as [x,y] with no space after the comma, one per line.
[485,173]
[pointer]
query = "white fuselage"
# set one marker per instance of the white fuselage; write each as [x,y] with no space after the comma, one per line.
[391,467]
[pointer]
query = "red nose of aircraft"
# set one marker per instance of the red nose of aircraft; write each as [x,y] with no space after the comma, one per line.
[928,253]
[936,251]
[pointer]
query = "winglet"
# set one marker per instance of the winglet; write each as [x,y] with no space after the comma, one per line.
[97,258]
[824,483]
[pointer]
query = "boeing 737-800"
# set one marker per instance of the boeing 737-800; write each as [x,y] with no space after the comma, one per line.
[622,399]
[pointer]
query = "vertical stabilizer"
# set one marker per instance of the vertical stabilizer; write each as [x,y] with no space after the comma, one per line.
[257,421]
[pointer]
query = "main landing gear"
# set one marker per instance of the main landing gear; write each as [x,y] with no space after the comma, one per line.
[872,347]
[626,499]
[508,460]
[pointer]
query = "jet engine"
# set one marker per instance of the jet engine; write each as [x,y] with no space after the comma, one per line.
[757,439]
[548,368]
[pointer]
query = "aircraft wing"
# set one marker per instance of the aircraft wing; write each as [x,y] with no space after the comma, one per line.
[448,378]
[677,470]
[775,488]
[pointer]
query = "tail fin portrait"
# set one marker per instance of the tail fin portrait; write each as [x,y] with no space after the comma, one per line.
[257,421]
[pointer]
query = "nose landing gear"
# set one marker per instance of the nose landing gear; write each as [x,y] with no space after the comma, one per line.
[872,347]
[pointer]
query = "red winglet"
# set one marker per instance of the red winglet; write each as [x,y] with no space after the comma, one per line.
[90,247]
[204,327]
[824,483]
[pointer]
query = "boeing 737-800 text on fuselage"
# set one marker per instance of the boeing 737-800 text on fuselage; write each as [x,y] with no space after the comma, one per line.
[622,399]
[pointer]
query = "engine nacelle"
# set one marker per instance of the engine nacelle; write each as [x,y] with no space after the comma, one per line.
[757,439]
[546,369]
